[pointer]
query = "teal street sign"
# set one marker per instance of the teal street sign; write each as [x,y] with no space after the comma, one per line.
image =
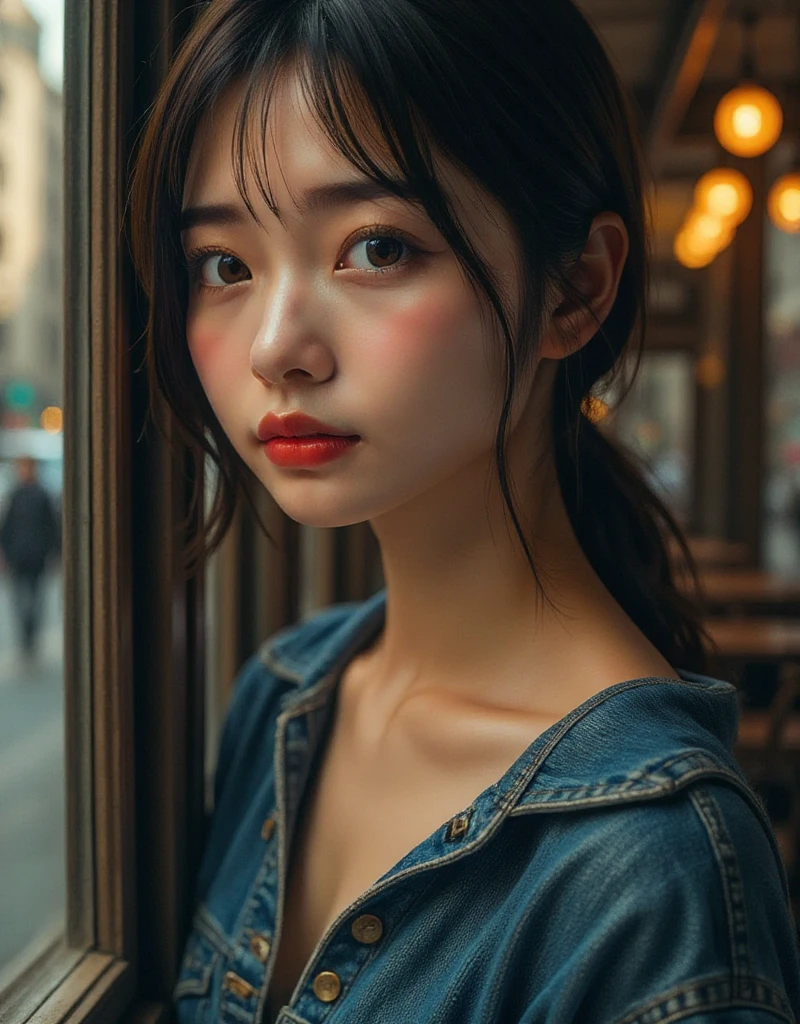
[19,394]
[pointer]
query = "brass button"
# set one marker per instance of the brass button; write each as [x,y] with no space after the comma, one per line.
[239,986]
[457,827]
[367,929]
[268,827]
[260,947]
[327,986]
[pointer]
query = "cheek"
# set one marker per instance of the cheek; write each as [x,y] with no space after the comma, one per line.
[436,348]
[430,372]
[216,370]
[437,330]
[202,345]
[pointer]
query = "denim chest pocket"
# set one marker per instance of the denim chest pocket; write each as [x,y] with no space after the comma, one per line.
[194,990]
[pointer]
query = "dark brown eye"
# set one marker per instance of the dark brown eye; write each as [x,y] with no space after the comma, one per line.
[215,269]
[384,252]
[376,252]
[230,270]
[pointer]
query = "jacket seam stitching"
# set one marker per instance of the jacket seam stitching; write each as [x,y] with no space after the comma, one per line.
[643,779]
[202,923]
[629,795]
[279,668]
[718,993]
[710,815]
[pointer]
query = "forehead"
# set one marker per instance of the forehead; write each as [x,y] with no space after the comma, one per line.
[293,153]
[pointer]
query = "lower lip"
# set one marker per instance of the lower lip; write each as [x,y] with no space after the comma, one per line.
[300,452]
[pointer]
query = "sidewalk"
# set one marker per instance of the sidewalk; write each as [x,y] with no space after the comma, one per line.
[14,667]
[50,655]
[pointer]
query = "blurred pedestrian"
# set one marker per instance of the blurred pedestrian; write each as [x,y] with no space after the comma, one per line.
[29,533]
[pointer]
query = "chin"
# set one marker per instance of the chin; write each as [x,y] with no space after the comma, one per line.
[320,518]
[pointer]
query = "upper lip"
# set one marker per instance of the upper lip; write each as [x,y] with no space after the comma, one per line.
[294,424]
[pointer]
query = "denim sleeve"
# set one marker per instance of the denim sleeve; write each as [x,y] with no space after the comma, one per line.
[688,920]
[739,961]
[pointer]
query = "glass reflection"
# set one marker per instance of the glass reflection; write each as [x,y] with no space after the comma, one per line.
[32,818]
[782,492]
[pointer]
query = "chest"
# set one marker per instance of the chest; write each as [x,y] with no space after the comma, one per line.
[363,812]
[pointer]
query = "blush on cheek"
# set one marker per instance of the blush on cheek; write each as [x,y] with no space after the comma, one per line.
[203,344]
[429,325]
[219,375]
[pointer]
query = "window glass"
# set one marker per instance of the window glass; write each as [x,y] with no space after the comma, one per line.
[32,768]
[782,397]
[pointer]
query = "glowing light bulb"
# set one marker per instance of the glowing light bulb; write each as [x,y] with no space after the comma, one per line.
[748,120]
[724,193]
[707,231]
[789,204]
[594,409]
[783,203]
[51,419]
[689,254]
[723,200]
[702,238]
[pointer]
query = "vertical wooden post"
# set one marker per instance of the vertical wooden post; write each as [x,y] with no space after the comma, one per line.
[746,369]
[711,498]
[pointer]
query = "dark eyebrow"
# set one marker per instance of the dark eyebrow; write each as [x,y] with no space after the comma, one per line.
[343,193]
[317,199]
[221,214]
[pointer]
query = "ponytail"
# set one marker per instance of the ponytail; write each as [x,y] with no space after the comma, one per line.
[627,534]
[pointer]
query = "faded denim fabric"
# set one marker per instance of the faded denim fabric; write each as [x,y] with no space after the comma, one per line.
[620,872]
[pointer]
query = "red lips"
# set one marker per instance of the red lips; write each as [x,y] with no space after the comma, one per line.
[295,424]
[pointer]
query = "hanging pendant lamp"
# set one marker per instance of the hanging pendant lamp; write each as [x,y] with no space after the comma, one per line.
[749,119]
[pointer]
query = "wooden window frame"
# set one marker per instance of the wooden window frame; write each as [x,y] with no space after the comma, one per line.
[133,710]
[134,630]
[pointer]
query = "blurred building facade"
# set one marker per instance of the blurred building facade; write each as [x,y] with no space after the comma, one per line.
[31,224]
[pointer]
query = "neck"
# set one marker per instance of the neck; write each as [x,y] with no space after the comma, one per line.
[465,615]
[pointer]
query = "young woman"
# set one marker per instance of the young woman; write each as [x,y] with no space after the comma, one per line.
[391,248]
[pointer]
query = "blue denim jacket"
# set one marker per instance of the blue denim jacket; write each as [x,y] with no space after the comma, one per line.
[620,872]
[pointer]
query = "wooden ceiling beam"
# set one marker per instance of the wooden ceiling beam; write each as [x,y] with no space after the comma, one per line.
[688,43]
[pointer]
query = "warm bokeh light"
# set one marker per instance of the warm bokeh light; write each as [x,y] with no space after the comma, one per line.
[748,120]
[594,409]
[724,193]
[708,232]
[709,371]
[701,239]
[52,419]
[690,256]
[783,203]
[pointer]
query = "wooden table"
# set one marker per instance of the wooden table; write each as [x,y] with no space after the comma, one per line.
[713,552]
[750,591]
[755,639]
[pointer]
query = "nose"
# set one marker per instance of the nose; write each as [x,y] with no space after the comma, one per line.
[291,343]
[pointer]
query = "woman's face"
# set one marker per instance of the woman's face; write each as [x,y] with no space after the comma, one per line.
[351,309]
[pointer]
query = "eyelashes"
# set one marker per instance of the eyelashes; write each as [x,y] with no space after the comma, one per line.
[370,247]
[196,260]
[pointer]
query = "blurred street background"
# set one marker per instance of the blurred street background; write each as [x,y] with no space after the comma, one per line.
[32,882]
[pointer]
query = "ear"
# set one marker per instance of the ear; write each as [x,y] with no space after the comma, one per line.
[596,275]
